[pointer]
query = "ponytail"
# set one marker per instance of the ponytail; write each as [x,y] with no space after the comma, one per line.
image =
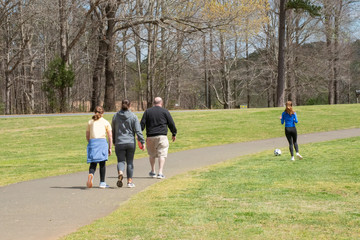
[99,111]
[125,104]
[289,108]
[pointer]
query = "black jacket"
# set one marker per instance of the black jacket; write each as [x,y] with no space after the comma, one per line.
[156,120]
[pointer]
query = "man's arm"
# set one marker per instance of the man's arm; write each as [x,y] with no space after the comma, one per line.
[113,129]
[171,125]
[143,121]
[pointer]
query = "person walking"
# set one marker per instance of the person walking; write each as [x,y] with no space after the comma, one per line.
[289,117]
[98,149]
[156,120]
[125,125]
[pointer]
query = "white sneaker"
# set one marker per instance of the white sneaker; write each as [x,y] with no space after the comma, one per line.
[299,156]
[160,176]
[292,158]
[103,185]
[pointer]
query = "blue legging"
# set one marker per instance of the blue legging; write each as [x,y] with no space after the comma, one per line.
[125,153]
[291,135]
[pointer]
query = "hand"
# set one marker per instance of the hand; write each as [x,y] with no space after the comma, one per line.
[143,147]
[173,138]
[109,151]
[280,117]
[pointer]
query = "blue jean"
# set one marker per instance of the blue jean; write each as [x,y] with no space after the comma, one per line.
[125,154]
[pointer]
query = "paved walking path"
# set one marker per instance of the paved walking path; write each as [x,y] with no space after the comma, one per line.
[53,207]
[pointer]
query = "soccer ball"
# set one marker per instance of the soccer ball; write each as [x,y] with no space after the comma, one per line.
[277,152]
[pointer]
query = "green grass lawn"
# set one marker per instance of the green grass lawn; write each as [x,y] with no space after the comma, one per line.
[252,197]
[46,146]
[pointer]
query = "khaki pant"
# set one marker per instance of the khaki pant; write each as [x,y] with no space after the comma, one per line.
[157,146]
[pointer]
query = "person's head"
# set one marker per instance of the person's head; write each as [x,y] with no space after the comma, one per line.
[125,105]
[99,111]
[158,101]
[289,108]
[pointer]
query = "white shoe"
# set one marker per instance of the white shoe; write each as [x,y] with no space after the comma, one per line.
[103,185]
[160,176]
[299,156]
[292,159]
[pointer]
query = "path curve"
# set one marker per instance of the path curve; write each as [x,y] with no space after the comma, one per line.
[52,207]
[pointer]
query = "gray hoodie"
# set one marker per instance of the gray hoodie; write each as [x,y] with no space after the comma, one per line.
[125,125]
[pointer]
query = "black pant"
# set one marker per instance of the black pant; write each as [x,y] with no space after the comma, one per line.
[291,135]
[102,166]
[125,153]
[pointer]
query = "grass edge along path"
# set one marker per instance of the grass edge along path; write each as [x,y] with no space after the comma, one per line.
[256,196]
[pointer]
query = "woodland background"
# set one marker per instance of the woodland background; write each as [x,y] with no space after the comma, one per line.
[71,55]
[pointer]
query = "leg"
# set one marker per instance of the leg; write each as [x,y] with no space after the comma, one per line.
[162,153]
[130,152]
[152,163]
[161,165]
[151,143]
[102,170]
[92,170]
[290,140]
[294,136]
[121,157]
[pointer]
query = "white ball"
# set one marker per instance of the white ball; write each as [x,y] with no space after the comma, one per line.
[277,152]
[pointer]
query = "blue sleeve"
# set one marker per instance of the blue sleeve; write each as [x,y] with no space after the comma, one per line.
[295,118]
[282,118]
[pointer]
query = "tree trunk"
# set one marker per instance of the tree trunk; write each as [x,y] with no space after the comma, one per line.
[137,47]
[138,64]
[149,69]
[281,56]
[206,82]
[290,55]
[98,70]
[224,75]
[63,30]
[338,10]
[247,70]
[124,70]
[329,52]
[109,100]
[210,74]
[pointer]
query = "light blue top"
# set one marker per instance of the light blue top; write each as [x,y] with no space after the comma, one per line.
[289,120]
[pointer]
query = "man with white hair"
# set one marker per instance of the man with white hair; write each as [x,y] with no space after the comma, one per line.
[157,120]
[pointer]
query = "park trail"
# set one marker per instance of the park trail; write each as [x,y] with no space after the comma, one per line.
[53,207]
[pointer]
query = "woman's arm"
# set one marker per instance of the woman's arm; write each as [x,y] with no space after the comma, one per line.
[110,140]
[88,136]
[295,118]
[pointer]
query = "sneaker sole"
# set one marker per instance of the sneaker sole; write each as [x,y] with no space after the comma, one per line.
[119,182]
[89,181]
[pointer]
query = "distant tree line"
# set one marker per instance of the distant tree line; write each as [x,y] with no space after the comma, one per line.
[62,56]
